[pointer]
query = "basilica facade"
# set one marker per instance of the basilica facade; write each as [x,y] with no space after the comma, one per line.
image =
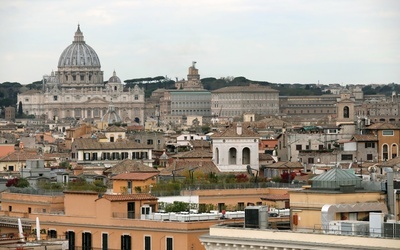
[77,90]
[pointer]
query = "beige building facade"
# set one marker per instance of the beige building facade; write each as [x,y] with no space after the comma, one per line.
[235,101]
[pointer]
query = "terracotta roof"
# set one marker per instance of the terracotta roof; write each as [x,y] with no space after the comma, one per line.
[23,155]
[200,143]
[129,197]
[253,88]
[391,163]
[93,143]
[275,197]
[130,166]
[197,153]
[181,167]
[134,176]
[381,125]
[365,138]
[114,128]
[262,156]
[231,131]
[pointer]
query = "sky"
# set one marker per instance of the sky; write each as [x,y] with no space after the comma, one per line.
[279,41]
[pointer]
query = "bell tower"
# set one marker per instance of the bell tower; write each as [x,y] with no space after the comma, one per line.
[345,108]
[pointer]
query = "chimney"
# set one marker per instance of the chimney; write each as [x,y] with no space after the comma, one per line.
[239,128]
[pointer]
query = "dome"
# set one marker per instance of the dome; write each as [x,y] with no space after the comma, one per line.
[111,116]
[79,53]
[114,78]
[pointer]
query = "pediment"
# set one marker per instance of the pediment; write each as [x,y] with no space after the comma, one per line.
[96,100]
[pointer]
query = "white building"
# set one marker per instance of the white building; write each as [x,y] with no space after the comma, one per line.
[235,148]
[77,89]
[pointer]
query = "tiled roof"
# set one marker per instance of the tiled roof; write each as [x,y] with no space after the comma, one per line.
[23,155]
[129,166]
[262,156]
[251,88]
[129,197]
[391,163]
[381,125]
[93,143]
[114,128]
[231,131]
[365,138]
[181,167]
[200,143]
[196,153]
[134,176]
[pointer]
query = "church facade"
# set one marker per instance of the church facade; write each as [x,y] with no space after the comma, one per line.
[77,90]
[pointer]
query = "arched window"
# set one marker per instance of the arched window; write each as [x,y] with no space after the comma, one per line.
[246,156]
[394,151]
[232,156]
[385,152]
[346,113]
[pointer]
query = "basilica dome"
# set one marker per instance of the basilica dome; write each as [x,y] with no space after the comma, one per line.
[114,78]
[79,54]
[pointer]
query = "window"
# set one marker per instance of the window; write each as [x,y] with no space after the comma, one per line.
[298,147]
[310,160]
[82,77]
[320,147]
[104,241]
[346,113]
[387,132]
[136,97]
[347,157]
[221,206]
[70,236]
[385,152]
[369,157]
[149,142]
[170,243]
[147,243]
[240,206]
[74,78]
[126,241]
[369,145]
[86,241]
[131,210]
[52,233]
[55,98]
